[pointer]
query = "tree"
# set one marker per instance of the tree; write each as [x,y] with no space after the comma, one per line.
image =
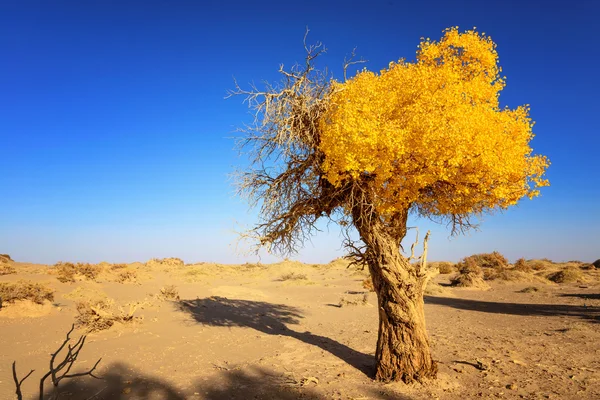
[426,138]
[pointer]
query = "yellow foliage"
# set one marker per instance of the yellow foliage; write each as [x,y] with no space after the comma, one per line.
[431,133]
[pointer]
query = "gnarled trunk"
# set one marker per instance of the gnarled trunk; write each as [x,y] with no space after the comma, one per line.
[402,347]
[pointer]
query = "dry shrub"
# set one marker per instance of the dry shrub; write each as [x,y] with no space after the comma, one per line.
[435,289]
[540,265]
[169,292]
[503,274]
[102,314]
[6,269]
[490,260]
[523,266]
[293,276]
[444,267]
[23,290]
[253,266]
[529,289]
[115,267]
[67,272]
[5,258]
[469,274]
[596,263]
[368,284]
[165,262]
[127,276]
[354,300]
[567,275]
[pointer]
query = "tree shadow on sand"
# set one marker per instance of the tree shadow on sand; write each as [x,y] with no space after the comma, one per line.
[122,382]
[271,319]
[551,310]
[584,296]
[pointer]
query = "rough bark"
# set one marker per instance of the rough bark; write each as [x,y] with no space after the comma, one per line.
[402,347]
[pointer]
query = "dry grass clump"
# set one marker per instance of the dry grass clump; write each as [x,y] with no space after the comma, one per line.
[368,284]
[293,276]
[567,275]
[23,290]
[116,267]
[596,264]
[169,292]
[490,260]
[6,269]
[540,265]
[5,258]
[68,272]
[469,274]
[445,267]
[102,314]
[253,266]
[502,274]
[529,289]
[523,266]
[435,289]
[127,276]
[165,262]
[354,300]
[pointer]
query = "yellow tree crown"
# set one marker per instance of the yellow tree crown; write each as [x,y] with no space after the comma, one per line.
[430,134]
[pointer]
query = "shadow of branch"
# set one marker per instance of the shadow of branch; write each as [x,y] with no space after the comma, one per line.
[271,319]
[585,312]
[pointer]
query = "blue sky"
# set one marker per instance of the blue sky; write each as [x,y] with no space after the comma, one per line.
[116,141]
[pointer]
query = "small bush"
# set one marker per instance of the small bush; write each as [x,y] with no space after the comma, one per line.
[368,284]
[251,266]
[115,267]
[490,260]
[469,274]
[102,314]
[445,267]
[6,269]
[435,289]
[529,289]
[567,275]
[540,265]
[596,263]
[127,276]
[23,290]
[293,276]
[354,301]
[4,258]
[522,266]
[166,262]
[67,272]
[169,292]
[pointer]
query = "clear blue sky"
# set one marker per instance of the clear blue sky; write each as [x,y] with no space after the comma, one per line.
[115,138]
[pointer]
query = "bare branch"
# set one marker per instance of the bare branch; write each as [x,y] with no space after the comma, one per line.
[18,382]
[58,372]
[350,61]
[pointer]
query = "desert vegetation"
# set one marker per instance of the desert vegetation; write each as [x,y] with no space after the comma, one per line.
[102,314]
[239,314]
[23,290]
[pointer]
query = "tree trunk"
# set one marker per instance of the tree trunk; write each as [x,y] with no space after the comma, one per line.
[402,347]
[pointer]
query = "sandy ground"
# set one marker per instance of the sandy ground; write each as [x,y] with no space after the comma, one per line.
[239,332]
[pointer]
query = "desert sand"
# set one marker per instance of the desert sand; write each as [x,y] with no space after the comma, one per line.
[291,330]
